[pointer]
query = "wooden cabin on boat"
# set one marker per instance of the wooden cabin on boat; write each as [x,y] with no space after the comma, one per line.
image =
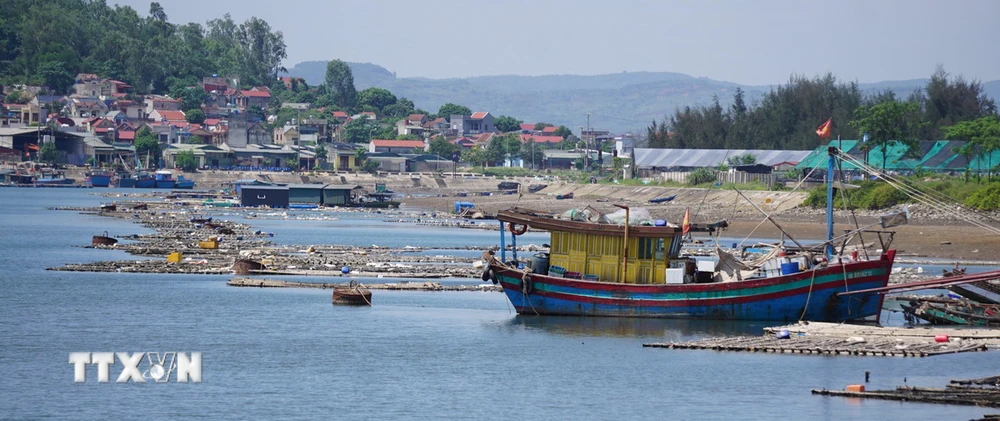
[584,250]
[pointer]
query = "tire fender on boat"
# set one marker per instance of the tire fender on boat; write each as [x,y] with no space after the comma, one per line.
[514,230]
[487,274]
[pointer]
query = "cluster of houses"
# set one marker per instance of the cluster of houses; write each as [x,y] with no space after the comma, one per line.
[98,124]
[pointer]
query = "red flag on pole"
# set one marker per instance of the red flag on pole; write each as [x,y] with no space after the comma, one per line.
[686,224]
[823,131]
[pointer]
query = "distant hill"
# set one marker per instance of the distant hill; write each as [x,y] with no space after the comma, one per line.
[619,102]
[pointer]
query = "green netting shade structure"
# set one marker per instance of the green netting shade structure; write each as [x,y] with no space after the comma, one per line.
[929,155]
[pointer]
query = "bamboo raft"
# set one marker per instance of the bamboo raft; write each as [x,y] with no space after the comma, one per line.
[826,345]
[977,392]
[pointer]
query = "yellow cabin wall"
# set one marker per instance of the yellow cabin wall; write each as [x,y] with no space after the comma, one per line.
[591,254]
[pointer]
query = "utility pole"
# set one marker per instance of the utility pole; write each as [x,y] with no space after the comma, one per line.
[582,138]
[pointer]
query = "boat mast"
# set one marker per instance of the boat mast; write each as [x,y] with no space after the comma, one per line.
[829,202]
[624,245]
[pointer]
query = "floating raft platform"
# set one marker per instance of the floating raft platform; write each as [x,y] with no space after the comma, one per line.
[959,392]
[819,345]
[819,338]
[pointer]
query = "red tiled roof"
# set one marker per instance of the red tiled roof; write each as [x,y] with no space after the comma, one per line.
[119,95]
[101,129]
[483,137]
[415,117]
[479,114]
[126,135]
[256,94]
[172,115]
[528,126]
[339,114]
[383,143]
[541,139]
[371,113]
[211,121]
[550,129]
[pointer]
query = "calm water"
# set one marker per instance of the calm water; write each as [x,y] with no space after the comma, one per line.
[289,354]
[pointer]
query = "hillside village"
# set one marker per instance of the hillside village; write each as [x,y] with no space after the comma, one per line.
[232,126]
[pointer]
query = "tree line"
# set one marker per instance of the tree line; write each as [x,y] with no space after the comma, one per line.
[47,42]
[787,116]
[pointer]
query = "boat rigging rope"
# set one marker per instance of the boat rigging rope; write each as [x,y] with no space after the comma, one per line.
[933,199]
[809,296]
[776,208]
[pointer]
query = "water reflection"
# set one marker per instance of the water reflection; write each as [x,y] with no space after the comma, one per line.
[662,329]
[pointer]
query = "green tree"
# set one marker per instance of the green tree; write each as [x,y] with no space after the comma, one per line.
[441,147]
[55,76]
[745,159]
[397,110]
[377,98]
[185,160]
[196,116]
[495,151]
[49,152]
[263,50]
[147,144]
[887,124]
[542,126]
[16,97]
[507,124]
[563,131]
[361,130]
[947,101]
[340,82]
[192,98]
[475,156]
[982,138]
[532,153]
[449,109]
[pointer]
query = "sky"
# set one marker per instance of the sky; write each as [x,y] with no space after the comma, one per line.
[747,42]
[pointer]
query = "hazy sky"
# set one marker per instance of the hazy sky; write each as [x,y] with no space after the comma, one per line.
[749,42]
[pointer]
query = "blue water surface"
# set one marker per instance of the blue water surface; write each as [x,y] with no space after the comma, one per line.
[290,354]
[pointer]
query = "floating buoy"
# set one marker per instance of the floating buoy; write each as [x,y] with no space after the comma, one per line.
[345,270]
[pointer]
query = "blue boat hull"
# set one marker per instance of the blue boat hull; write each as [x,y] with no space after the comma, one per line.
[145,183]
[186,185]
[126,182]
[801,296]
[99,180]
[165,184]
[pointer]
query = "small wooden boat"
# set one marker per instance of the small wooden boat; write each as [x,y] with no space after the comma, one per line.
[564,196]
[140,206]
[110,207]
[352,295]
[245,266]
[663,199]
[103,240]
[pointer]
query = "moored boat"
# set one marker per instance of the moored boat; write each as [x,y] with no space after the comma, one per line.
[183,183]
[144,181]
[614,269]
[99,178]
[165,179]
[353,295]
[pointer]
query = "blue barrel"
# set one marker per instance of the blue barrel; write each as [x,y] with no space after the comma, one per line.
[540,263]
[789,268]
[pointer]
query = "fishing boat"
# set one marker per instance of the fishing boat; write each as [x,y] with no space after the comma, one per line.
[144,180]
[53,179]
[99,178]
[183,183]
[601,267]
[165,179]
[125,180]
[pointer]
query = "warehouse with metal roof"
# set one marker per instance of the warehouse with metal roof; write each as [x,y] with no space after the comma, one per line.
[650,161]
